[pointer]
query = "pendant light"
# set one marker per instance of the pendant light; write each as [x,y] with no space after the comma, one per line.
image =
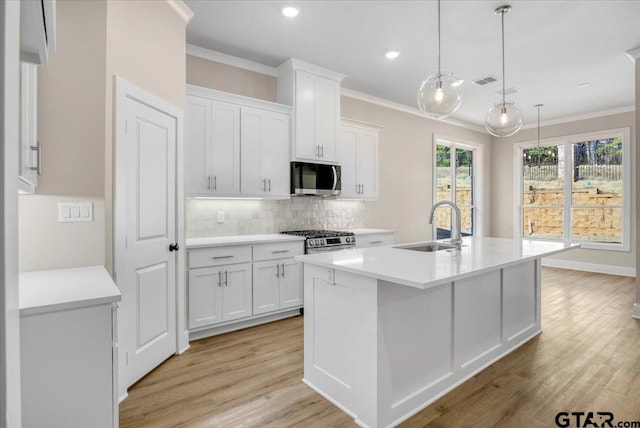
[505,117]
[440,95]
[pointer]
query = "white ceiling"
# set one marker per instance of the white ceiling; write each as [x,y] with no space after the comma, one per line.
[551,47]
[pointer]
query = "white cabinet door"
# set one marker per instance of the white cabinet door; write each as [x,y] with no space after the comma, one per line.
[291,284]
[29,145]
[358,154]
[277,153]
[306,146]
[225,142]
[367,169]
[254,151]
[236,291]
[205,297]
[197,151]
[348,161]
[327,117]
[266,286]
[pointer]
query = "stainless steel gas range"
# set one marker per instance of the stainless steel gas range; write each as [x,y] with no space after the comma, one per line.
[320,241]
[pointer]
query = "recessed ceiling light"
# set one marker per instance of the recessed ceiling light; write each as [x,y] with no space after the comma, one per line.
[392,54]
[584,85]
[290,11]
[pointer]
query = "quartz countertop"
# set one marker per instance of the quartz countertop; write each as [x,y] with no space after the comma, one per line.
[220,241]
[423,270]
[62,289]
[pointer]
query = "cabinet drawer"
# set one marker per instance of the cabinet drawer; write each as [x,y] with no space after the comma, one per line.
[277,250]
[367,241]
[202,257]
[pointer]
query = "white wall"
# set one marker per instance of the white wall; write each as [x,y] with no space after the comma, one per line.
[503,184]
[10,409]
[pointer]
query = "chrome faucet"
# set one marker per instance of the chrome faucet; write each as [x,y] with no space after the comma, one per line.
[457,236]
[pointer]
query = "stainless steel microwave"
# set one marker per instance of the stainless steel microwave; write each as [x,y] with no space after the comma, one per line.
[314,179]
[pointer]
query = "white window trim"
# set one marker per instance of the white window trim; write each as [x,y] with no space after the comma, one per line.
[478,175]
[625,133]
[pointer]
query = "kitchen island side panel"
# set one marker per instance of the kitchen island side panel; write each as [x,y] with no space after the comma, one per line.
[340,339]
[382,351]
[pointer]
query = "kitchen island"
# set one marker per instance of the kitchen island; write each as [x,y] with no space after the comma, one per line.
[388,330]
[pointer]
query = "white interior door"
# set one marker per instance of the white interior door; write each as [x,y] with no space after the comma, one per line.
[146,214]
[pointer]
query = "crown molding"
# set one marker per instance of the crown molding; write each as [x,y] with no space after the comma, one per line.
[633,54]
[586,116]
[231,60]
[296,64]
[181,9]
[406,109]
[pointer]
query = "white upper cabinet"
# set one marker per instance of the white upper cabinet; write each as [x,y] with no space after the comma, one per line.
[212,152]
[37,30]
[265,153]
[358,155]
[314,93]
[225,151]
[29,145]
[235,146]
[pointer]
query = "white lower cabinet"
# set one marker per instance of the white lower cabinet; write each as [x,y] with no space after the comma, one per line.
[262,280]
[219,294]
[277,284]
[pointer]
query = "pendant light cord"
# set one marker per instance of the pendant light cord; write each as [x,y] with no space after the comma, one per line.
[538,136]
[503,73]
[439,71]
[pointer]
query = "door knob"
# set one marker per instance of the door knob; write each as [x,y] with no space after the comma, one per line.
[174,247]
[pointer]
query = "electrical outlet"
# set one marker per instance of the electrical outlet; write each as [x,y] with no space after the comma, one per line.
[220,217]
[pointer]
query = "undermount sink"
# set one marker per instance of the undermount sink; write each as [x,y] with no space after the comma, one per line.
[428,247]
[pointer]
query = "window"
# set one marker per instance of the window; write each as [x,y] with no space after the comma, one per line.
[576,189]
[455,178]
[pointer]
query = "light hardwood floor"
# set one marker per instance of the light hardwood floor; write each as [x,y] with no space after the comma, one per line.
[587,359]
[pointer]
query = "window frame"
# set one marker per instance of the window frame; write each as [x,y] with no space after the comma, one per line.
[567,141]
[477,177]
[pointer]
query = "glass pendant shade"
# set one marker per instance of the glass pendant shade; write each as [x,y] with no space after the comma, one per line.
[440,95]
[503,119]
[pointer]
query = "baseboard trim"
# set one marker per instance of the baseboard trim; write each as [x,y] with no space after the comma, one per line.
[238,325]
[636,311]
[589,267]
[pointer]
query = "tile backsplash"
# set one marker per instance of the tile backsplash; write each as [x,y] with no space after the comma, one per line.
[246,217]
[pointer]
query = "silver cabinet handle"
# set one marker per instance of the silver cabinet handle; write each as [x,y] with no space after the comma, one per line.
[209,186]
[362,185]
[322,151]
[226,278]
[283,270]
[36,149]
[222,257]
[375,242]
[215,182]
[335,178]
[279,251]
[264,184]
[269,185]
[278,270]
[219,278]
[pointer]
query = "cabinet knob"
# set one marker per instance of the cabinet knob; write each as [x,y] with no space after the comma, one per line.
[174,247]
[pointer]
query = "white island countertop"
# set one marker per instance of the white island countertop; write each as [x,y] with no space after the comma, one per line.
[62,289]
[427,269]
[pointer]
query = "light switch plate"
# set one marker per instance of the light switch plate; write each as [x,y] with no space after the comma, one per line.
[220,216]
[71,212]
